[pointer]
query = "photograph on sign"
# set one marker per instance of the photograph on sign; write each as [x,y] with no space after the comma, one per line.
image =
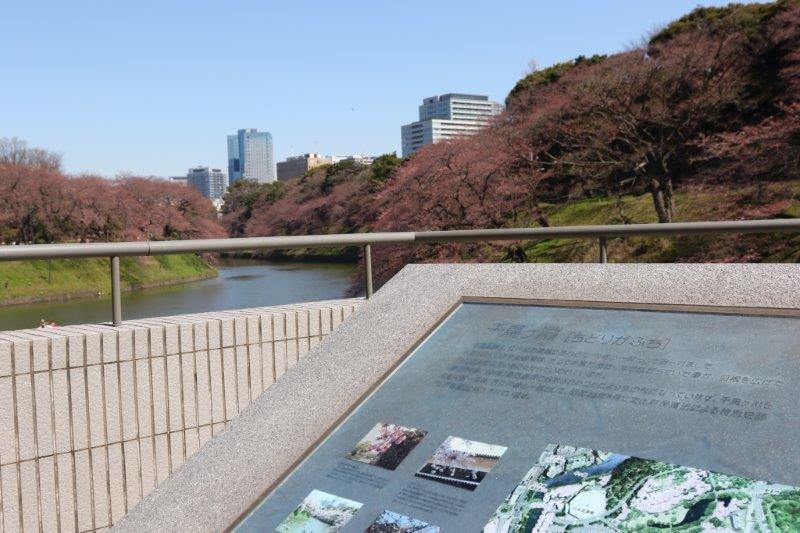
[320,512]
[386,445]
[389,522]
[460,462]
[569,487]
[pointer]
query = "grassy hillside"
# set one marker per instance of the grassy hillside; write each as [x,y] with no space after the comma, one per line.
[31,281]
[694,203]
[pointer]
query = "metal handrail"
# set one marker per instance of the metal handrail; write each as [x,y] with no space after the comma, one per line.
[115,250]
[122,249]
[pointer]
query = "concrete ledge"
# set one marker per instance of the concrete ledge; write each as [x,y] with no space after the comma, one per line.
[234,470]
[93,417]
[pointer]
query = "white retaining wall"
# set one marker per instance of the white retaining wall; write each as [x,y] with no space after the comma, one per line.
[93,417]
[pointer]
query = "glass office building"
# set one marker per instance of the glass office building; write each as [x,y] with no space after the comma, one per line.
[250,156]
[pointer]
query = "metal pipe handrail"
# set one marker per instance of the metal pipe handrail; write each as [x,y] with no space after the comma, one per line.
[123,249]
[115,250]
[611,231]
[139,248]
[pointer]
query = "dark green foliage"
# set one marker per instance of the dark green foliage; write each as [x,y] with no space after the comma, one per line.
[628,474]
[242,197]
[784,510]
[734,17]
[551,74]
[245,193]
[342,166]
[383,167]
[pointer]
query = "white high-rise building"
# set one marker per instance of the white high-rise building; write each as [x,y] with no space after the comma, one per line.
[447,116]
[211,182]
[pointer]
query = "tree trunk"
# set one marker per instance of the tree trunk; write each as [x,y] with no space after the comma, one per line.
[618,203]
[516,254]
[660,202]
[542,219]
[669,199]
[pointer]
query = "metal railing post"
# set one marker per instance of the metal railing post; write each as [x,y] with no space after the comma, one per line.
[116,293]
[368,268]
[603,242]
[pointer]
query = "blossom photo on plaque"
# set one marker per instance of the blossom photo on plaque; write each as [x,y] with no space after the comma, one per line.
[460,462]
[573,488]
[396,523]
[386,445]
[320,512]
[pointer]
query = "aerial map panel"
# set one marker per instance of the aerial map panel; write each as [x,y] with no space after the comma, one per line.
[523,417]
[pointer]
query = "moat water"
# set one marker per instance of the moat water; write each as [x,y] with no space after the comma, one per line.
[241,283]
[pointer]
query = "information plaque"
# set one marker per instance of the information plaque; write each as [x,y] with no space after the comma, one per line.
[534,417]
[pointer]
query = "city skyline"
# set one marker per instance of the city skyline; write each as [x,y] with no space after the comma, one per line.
[83,71]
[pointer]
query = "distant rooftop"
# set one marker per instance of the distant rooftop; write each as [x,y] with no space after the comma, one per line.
[455,96]
[304,156]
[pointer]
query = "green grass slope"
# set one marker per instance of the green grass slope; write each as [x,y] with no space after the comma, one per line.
[694,204]
[34,281]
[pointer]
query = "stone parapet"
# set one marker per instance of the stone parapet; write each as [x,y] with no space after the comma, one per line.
[93,417]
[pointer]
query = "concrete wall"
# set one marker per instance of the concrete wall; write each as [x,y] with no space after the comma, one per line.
[93,417]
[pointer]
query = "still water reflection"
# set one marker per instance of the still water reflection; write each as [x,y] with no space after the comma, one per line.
[241,283]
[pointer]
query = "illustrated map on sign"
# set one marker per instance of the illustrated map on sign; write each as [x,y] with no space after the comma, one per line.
[578,489]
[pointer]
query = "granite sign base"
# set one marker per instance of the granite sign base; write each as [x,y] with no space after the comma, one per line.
[542,397]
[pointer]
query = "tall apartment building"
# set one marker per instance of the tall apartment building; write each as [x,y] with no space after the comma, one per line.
[250,156]
[211,182]
[296,166]
[445,117]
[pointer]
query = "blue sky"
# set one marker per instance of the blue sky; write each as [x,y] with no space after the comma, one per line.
[153,87]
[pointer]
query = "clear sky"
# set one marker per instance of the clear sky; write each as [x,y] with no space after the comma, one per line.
[153,87]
